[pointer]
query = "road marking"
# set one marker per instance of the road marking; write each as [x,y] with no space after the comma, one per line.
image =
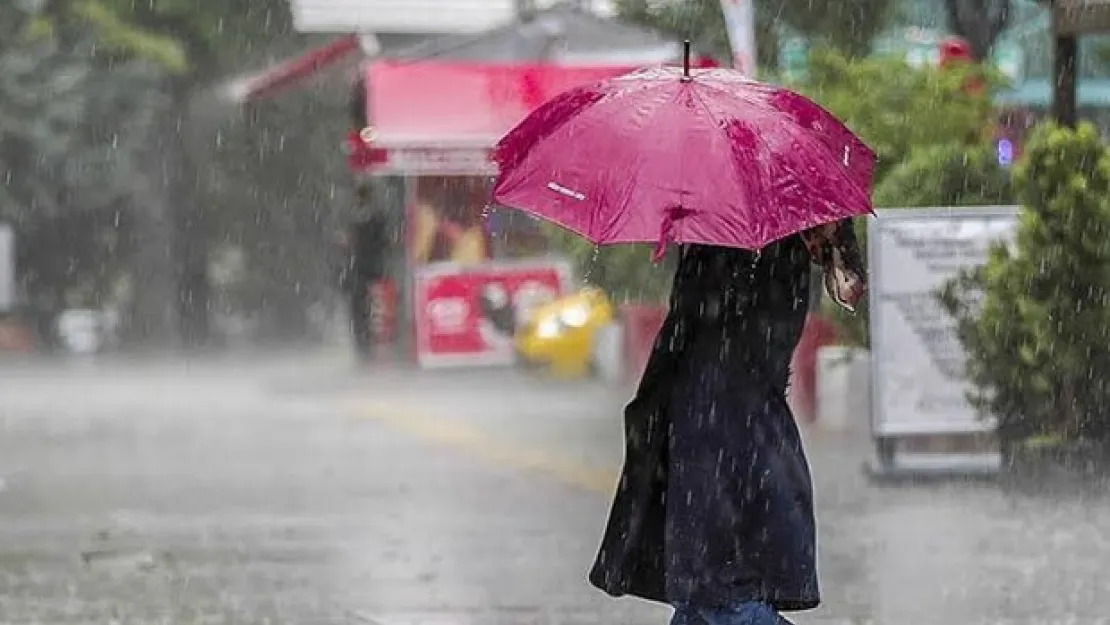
[474,442]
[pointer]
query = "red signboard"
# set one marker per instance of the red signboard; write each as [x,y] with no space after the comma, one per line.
[467,315]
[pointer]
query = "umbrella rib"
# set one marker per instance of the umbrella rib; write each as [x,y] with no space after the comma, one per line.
[718,122]
[816,149]
[616,144]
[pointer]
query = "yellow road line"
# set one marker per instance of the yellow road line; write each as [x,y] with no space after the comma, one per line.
[475,442]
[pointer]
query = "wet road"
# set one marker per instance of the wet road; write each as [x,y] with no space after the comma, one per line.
[293,490]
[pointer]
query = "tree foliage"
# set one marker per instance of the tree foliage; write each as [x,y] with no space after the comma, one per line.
[954,174]
[213,40]
[1036,318]
[849,27]
[897,108]
[198,40]
[72,133]
[625,272]
[280,209]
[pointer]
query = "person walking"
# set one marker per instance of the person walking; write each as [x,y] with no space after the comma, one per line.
[366,248]
[714,510]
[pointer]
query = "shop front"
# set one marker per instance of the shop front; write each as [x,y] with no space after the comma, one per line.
[433,275]
[469,274]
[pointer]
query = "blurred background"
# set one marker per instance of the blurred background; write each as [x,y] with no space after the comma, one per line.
[184,169]
[268,355]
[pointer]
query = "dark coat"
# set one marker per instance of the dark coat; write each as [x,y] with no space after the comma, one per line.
[715,502]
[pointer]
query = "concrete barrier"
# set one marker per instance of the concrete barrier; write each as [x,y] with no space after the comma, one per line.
[843,388]
[818,332]
[609,352]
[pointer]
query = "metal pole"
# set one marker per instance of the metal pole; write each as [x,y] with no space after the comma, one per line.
[740,22]
[1064,96]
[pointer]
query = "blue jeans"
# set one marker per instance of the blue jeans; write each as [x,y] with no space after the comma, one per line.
[751,613]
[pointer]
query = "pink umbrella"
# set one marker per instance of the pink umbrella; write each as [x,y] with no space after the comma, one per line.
[673,155]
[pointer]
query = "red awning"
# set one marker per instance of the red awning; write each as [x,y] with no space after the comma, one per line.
[443,117]
[291,71]
[431,104]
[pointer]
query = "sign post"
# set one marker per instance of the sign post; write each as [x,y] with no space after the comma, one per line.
[1071,19]
[7,269]
[918,384]
[740,21]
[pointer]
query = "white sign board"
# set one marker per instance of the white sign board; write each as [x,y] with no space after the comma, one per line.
[413,16]
[918,377]
[7,268]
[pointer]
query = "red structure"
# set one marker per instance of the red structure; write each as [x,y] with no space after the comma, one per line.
[954,51]
[383,303]
[288,73]
[817,333]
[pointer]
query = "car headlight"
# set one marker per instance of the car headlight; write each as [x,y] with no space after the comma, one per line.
[575,317]
[549,328]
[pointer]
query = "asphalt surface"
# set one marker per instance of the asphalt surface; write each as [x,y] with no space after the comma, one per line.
[293,488]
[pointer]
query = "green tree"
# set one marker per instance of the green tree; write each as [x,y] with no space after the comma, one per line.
[281,175]
[198,44]
[897,108]
[625,272]
[849,27]
[1035,319]
[72,132]
[103,21]
[947,175]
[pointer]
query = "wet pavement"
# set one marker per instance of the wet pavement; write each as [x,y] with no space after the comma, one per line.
[292,489]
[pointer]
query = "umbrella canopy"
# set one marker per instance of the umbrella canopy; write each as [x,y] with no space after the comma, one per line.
[669,155]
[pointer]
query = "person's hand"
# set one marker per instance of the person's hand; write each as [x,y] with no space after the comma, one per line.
[834,248]
[844,287]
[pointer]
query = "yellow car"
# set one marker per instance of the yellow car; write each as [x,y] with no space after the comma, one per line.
[561,334]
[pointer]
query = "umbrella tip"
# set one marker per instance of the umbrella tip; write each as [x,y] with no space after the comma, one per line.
[686,58]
